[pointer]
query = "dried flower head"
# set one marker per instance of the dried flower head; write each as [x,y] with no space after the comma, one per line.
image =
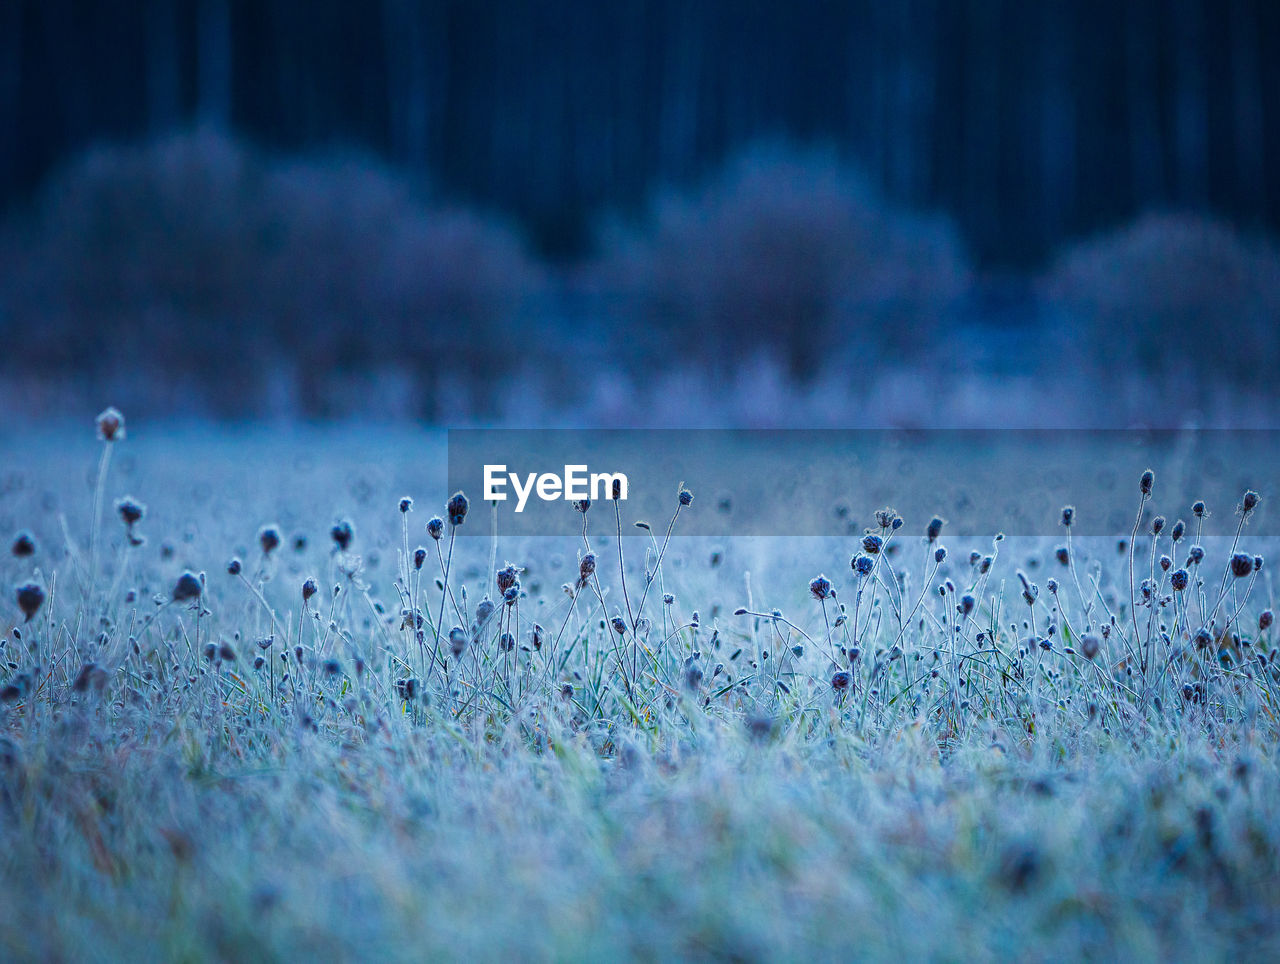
[343,532]
[30,597]
[1241,565]
[456,509]
[457,641]
[130,510]
[1146,482]
[111,425]
[507,577]
[820,587]
[187,587]
[24,545]
[586,566]
[269,538]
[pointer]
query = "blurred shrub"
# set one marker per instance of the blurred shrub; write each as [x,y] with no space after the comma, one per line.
[789,253]
[196,261]
[1171,297]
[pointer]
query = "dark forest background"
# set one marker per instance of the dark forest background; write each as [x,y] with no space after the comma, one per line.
[317,193]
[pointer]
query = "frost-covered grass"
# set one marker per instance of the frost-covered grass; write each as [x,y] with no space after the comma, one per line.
[956,790]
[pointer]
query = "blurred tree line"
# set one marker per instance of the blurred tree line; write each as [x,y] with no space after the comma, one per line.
[1025,122]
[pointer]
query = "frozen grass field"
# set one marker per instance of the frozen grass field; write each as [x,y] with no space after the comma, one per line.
[979,754]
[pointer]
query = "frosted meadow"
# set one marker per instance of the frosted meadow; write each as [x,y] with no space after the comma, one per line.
[262,698]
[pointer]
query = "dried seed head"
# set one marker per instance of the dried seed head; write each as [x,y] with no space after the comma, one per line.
[407,689]
[820,587]
[309,589]
[457,641]
[130,510]
[619,625]
[342,533]
[406,504]
[435,527]
[1197,509]
[1179,579]
[862,564]
[1068,515]
[940,554]
[872,543]
[484,609]
[419,557]
[507,577]
[586,567]
[457,508]
[686,497]
[1062,555]
[187,587]
[1265,618]
[269,538]
[30,598]
[24,545]
[840,681]
[111,425]
[1250,501]
[234,566]
[934,529]
[1089,645]
[1195,556]
[226,653]
[1241,565]
[1157,525]
[1146,482]
[581,505]
[1178,531]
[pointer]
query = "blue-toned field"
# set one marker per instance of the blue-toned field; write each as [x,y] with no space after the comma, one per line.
[247,719]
